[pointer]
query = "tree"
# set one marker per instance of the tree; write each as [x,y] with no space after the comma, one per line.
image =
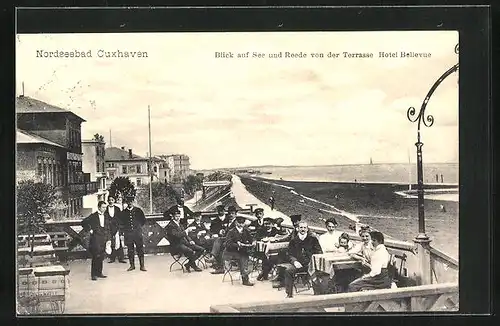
[122,186]
[36,201]
[192,184]
[98,137]
[163,197]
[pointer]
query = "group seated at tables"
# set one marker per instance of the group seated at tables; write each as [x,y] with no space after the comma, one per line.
[232,237]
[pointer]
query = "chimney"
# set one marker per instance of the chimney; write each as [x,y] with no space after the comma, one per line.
[123,147]
[130,153]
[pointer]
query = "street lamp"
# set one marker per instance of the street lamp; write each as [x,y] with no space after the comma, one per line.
[422,239]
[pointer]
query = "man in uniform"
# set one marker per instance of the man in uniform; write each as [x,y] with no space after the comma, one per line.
[132,219]
[238,242]
[99,228]
[112,213]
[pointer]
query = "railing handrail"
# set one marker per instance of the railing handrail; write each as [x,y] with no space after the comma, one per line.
[330,300]
[452,262]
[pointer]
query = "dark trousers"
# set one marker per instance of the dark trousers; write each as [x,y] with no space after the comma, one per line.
[380,281]
[116,253]
[290,272]
[267,263]
[133,241]
[242,262]
[207,244]
[191,251]
[96,264]
[217,250]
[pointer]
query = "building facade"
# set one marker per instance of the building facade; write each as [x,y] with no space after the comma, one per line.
[93,159]
[51,141]
[122,163]
[179,166]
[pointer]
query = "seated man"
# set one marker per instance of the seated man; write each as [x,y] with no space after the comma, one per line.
[258,224]
[378,277]
[181,243]
[281,231]
[231,217]
[267,232]
[300,251]
[202,236]
[238,242]
[183,209]
[219,227]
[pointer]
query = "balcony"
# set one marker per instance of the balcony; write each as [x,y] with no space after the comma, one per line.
[83,188]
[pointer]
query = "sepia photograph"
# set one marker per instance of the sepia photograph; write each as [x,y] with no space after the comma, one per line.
[237,172]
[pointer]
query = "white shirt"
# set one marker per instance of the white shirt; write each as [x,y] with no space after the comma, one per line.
[111,210]
[327,241]
[302,236]
[363,250]
[101,219]
[379,259]
[181,209]
[240,230]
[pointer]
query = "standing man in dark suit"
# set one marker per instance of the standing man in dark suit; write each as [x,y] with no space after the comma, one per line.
[238,242]
[99,228]
[300,251]
[112,213]
[219,228]
[132,219]
[181,243]
[185,212]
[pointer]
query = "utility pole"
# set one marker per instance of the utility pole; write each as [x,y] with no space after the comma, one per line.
[110,142]
[150,166]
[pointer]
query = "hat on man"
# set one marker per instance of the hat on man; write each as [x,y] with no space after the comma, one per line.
[259,210]
[129,199]
[175,211]
[231,209]
[296,218]
[268,220]
[240,219]
[196,214]
[220,208]
[331,220]
[206,219]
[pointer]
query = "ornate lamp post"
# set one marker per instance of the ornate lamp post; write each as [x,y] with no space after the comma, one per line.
[422,240]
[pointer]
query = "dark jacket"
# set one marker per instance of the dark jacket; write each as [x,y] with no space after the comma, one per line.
[232,238]
[168,214]
[132,220]
[176,235]
[264,233]
[218,225]
[114,220]
[99,236]
[302,251]
[194,234]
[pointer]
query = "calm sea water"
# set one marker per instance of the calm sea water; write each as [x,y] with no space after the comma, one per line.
[390,173]
[398,217]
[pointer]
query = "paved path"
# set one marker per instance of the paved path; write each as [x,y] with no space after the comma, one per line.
[158,290]
[243,197]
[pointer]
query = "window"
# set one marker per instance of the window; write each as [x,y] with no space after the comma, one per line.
[165,173]
[124,169]
[138,182]
[97,151]
[97,167]
[138,169]
[155,169]
[111,175]
[102,170]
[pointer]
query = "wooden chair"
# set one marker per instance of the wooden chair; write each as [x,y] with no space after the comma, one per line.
[303,278]
[230,265]
[177,256]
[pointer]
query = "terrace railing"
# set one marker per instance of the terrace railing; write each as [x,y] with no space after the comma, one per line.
[432,297]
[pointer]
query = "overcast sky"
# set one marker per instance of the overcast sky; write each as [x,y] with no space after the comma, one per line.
[242,112]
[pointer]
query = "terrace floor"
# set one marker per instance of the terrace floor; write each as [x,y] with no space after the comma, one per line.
[158,290]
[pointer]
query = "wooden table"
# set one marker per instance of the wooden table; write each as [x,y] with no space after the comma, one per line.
[271,248]
[328,263]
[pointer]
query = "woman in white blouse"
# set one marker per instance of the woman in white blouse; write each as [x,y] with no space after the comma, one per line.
[329,240]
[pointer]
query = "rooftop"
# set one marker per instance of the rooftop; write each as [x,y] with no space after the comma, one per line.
[158,290]
[24,137]
[25,104]
[118,154]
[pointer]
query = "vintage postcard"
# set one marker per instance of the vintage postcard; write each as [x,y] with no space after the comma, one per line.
[255,172]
